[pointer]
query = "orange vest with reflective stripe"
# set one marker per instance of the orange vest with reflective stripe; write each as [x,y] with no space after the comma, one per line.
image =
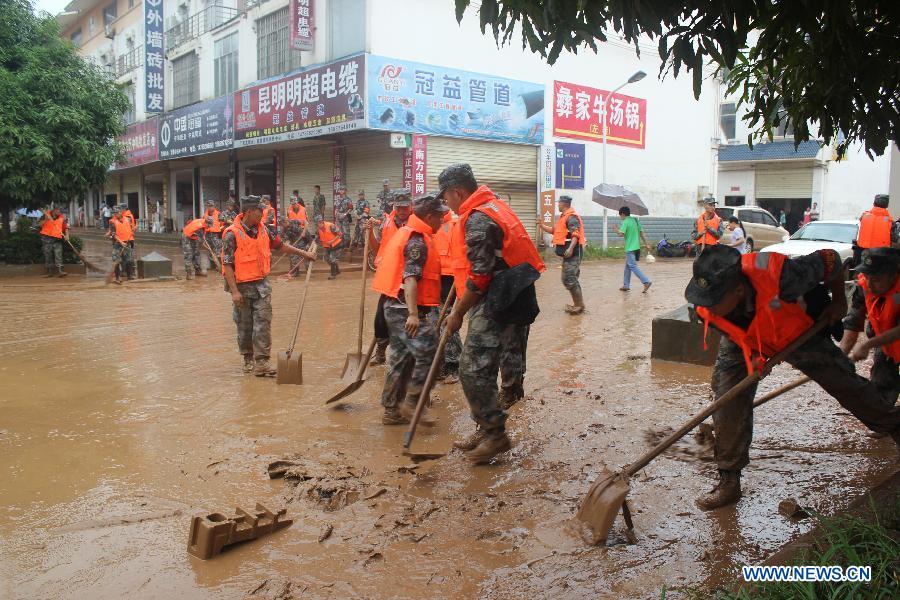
[53,227]
[389,276]
[124,231]
[217,225]
[874,228]
[517,244]
[882,312]
[297,215]
[252,256]
[706,237]
[442,242]
[776,323]
[561,231]
[328,238]
[388,229]
[190,230]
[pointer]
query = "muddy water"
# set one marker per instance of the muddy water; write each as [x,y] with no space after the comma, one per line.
[124,412]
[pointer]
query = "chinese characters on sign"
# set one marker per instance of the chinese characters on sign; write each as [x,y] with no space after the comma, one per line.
[417,98]
[578,114]
[278,160]
[319,101]
[302,15]
[154,65]
[141,143]
[548,206]
[415,164]
[570,166]
[339,174]
[547,154]
[197,129]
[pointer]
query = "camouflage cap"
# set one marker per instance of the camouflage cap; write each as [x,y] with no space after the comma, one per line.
[210,203]
[878,260]
[455,174]
[386,182]
[401,197]
[715,270]
[566,200]
[428,204]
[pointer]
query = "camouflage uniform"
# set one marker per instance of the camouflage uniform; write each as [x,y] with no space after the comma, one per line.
[382,342]
[253,318]
[122,254]
[53,252]
[453,348]
[362,215]
[227,217]
[343,214]
[884,374]
[214,239]
[192,249]
[295,235]
[410,357]
[571,267]
[385,202]
[318,204]
[333,255]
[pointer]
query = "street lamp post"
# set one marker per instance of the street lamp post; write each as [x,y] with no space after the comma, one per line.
[633,79]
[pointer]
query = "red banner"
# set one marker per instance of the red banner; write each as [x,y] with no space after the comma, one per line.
[339,171]
[141,143]
[578,114]
[302,14]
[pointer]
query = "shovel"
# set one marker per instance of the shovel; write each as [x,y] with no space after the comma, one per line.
[290,364]
[116,265]
[599,508]
[353,363]
[212,256]
[89,265]
[361,373]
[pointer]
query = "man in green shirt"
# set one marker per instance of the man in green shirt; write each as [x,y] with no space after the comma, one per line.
[631,230]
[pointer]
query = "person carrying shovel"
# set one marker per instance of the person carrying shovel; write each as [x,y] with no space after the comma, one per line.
[709,227]
[121,233]
[53,229]
[246,259]
[193,235]
[409,277]
[754,300]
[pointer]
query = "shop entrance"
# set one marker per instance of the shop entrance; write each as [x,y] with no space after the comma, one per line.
[258,178]
[793,209]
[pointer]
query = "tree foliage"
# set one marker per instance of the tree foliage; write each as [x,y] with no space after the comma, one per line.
[831,65]
[59,115]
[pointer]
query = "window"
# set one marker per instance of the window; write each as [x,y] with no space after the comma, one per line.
[109,14]
[273,55]
[226,64]
[728,120]
[129,93]
[752,216]
[185,80]
[768,219]
[346,27]
[76,37]
[130,3]
[785,127]
[91,26]
[724,213]
[734,201]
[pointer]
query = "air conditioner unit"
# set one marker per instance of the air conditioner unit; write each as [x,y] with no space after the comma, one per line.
[110,31]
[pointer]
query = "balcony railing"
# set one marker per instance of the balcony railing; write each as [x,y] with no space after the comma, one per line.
[129,61]
[197,24]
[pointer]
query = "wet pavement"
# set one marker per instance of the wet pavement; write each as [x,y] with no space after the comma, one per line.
[124,412]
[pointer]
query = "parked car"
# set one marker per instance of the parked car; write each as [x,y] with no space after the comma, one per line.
[820,235]
[760,226]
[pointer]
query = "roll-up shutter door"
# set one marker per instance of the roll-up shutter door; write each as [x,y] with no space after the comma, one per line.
[370,160]
[131,183]
[510,170]
[306,167]
[784,183]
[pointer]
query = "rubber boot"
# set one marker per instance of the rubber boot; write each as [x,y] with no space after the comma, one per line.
[392,416]
[577,306]
[471,442]
[49,272]
[380,353]
[333,271]
[450,373]
[263,368]
[727,491]
[248,363]
[490,446]
[62,273]
[408,409]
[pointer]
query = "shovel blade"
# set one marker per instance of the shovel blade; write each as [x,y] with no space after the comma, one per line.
[599,508]
[346,391]
[418,457]
[352,365]
[290,368]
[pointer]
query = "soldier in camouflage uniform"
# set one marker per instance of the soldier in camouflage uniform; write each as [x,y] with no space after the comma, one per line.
[363,211]
[121,251]
[252,312]
[298,236]
[269,210]
[568,242]
[325,231]
[192,237]
[228,215]
[213,238]
[490,346]
[385,198]
[53,224]
[343,215]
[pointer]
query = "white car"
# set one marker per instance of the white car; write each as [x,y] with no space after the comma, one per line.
[820,235]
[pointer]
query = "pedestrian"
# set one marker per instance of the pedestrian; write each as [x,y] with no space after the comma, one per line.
[568,242]
[390,224]
[214,227]
[228,215]
[410,278]
[760,304]
[363,211]
[246,259]
[876,297]
[268,217]
[450,367]
[105,214]
[193,235]
[633,233]
[709,227]
[807,216]
[121,233]
[385,198]
[495,262]
[53,230]
[129,217]
[81,221]
[738,237]
[782,219]
[331,239]
[318,202]
[814,212]
[343,215]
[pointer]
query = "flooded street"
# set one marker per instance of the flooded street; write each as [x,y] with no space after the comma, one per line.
[124,412]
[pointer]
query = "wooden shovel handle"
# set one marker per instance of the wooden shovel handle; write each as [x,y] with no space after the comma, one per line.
[309,270]
[447,304]
[212,255]
[362,295]
[727,397]
[779,391]
[426,389]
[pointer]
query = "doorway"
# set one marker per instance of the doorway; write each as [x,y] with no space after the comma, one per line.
[793,209]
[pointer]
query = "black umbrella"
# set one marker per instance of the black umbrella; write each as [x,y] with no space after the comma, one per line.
[614,197]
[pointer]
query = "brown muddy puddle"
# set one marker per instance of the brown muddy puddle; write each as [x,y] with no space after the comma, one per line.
[125,412]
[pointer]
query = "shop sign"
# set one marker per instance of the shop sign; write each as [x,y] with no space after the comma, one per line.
[141,143]
[419,98]
[578,114]
[399,140]
[415,166]
[339,172]
[197,129]
[547,160]
[323,100]
[548,206]
[154,59]
[277,159]
[570,166]
[302,14]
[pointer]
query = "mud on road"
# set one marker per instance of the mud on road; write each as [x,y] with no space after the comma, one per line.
[124,412]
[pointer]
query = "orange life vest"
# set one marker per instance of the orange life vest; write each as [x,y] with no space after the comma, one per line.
[124,230]
[266,212]
[252,256]
[217,225]
[704,236]
[776,323]
[882,312]
[442,242]
[190,230]
[53,227]
[388,229]
[874,228]
[517,244]
[561,231]
[389,276]
[129,216]
[297,215]
[328,238]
